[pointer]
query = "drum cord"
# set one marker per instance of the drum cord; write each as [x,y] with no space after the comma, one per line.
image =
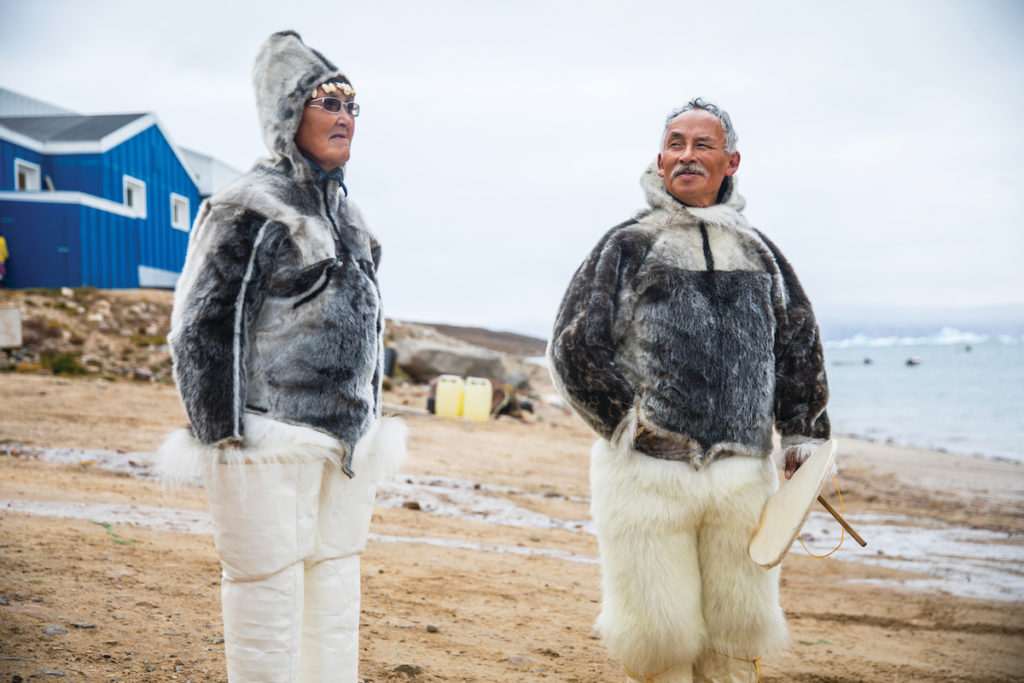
[842,536]
[647,678]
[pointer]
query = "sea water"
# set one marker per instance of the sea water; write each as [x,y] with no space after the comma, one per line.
[955,392]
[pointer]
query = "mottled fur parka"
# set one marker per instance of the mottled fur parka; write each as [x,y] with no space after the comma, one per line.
[692,324]
[277,312]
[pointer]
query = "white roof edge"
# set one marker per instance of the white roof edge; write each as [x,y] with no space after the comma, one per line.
[106,143]
[21,139]
[69,197]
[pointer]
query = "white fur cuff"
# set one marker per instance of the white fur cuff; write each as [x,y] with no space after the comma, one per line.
[183,459]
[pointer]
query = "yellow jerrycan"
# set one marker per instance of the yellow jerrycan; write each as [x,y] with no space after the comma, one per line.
[448,396]
[477,404]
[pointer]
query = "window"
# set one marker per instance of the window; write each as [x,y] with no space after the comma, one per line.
[26,175]
[179,212]
[135,195]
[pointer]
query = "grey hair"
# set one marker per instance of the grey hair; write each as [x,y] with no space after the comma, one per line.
[722,115]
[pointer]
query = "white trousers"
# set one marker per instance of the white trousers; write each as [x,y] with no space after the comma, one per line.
[681,598]
[289,535]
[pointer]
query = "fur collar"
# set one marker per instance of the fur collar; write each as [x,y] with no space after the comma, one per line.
[727,214]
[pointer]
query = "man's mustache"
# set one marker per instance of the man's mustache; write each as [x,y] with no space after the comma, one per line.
[689,168]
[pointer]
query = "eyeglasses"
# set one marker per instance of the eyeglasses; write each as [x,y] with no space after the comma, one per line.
[334,105]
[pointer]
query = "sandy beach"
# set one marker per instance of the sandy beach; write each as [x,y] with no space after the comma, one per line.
[481,564]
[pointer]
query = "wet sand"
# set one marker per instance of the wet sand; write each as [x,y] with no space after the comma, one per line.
[498,561]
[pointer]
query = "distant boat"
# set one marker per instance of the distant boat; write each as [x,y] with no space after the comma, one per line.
[913,360]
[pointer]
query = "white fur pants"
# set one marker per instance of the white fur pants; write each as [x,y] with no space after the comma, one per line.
[679,590]
[289,528]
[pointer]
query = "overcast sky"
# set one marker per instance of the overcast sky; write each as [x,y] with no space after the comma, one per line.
[882,142]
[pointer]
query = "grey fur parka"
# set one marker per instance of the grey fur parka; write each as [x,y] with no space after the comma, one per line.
[690,323]
[277,311]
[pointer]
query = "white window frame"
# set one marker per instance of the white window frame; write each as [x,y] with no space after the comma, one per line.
[33,175]
[180,202]
[138,188]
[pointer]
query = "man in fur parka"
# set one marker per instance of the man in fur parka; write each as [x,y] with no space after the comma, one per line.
[276,336]
[683,338]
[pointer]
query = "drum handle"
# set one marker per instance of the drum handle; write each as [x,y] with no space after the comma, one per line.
[839,518]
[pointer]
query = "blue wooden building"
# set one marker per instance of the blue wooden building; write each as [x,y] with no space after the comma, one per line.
[103,200]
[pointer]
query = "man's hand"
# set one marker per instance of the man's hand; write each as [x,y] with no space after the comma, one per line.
[796,456]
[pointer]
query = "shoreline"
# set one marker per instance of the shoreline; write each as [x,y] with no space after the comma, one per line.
[896,442]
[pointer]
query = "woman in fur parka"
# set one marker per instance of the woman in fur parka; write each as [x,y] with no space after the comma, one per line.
[276,336]
[682,339]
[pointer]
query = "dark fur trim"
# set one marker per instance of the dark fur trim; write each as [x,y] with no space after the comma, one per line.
[583,345]
[211,377]
[801,387]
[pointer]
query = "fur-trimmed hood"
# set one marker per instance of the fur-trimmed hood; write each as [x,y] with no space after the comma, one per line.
[286,72]
[728,212]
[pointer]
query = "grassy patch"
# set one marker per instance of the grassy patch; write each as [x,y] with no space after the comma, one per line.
[113,536]
[148,340]
[62,363]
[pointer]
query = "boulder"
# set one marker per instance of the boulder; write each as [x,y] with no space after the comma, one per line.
[425,359]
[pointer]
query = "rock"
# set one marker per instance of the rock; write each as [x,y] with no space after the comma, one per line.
[424,360]
[55,630]
[142,375]
[410,670]
[432,628]
[411,505]
[82,624]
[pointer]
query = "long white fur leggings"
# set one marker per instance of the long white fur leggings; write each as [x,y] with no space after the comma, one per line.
[289,536]
[680,594]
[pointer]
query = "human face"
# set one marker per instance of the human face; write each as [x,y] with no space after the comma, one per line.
[324,136]
[694,162]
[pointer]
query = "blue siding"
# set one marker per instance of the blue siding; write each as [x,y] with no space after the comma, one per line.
[68,245]
[78,172]
[110,248]
[43,249]
[74,245]
[8,153]
[149,157]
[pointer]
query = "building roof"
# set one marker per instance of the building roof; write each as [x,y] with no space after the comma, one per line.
[48,128]
[68,128]
[211,174]
[15,104]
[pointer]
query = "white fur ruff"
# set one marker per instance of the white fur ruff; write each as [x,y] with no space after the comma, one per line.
[676,576]
[183,459]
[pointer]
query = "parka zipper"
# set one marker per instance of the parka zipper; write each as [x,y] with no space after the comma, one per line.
[709,260]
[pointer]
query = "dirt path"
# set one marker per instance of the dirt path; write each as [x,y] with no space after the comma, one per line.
[449,593]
